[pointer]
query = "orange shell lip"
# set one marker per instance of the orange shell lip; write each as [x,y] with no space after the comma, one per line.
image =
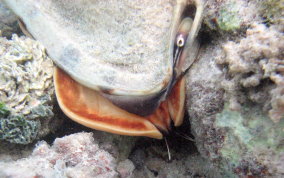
[90,109]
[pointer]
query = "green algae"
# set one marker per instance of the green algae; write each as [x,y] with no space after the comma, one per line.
[228,19]
[4,111]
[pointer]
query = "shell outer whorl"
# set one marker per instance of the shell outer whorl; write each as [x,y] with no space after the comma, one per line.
[116,47]
[105,44]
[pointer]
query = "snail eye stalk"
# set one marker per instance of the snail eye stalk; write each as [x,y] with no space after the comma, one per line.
[180,40]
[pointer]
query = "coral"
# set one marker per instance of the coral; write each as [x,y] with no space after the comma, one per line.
[26,86]
[25,75]
[252,63]
[76,155]
[277,102]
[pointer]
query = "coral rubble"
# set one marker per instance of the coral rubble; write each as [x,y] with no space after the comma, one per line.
[76,155]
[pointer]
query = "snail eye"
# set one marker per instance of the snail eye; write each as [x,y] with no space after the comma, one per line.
[180,41]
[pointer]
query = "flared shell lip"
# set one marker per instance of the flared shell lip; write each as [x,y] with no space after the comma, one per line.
[151,130]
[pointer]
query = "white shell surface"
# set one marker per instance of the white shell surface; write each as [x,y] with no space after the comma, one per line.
[117,45]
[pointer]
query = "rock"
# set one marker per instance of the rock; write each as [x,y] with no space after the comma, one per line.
[13,152]
[125,168]
[8,21]
[205,100]
[152,161]
[118,145]
[76,155]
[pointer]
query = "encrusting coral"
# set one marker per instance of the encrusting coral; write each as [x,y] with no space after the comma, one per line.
[26,88]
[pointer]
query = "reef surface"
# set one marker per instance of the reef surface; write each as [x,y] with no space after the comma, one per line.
[235,104]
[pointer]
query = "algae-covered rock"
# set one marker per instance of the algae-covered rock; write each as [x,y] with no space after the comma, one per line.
[26,89]
[235,103]
[230,15]
[228,18]
[252,142]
